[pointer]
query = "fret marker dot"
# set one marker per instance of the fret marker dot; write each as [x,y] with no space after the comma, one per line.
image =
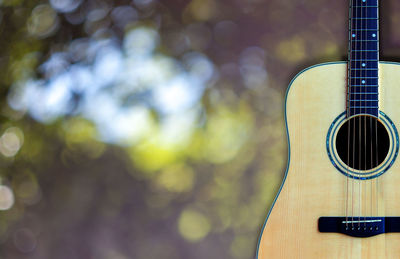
[374,35]
[363,81]
[363,64]
[353,35]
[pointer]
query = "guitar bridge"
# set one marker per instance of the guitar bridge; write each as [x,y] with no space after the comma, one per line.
[359,226]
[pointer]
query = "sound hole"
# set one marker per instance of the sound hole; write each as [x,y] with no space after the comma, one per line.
[362,142]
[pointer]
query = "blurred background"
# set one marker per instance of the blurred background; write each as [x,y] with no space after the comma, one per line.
[149,128]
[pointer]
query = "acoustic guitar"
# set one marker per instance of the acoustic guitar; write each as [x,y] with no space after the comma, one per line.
[340,197]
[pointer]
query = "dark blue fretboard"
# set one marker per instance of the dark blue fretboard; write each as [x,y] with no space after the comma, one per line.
[362,93]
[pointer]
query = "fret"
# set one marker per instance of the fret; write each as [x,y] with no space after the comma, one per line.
[365,18]
[364,69]
[362,105]
[363,93]
[364,24]
[362,96]
[363,77]
[365,45]
[356,55]
[362,73]
[364,50]
[362,3]
[364,86]
[358,84]
[361,100]
[370,103]
[365,13]
[370,111]
[364,40]
[358,107]
[364,30]
[363,89]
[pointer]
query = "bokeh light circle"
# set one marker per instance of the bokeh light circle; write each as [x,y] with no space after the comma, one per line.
[43,21]
[6,197]
[25,240]
[193,225]
[65,6]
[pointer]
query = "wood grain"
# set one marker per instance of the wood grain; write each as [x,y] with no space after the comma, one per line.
[314,188]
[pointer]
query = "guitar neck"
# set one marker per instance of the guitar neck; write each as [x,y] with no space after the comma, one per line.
[363,57]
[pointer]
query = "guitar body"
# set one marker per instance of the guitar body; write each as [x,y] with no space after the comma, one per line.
[313,187]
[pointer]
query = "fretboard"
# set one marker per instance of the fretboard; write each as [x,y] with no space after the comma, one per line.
[362,92]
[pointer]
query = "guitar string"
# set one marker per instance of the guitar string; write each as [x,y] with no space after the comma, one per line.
[361,80]
[349,91]
[353,128]
[376,121]
[348,158]
[372,164]
[359,162]
[350,72]
[376,164]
